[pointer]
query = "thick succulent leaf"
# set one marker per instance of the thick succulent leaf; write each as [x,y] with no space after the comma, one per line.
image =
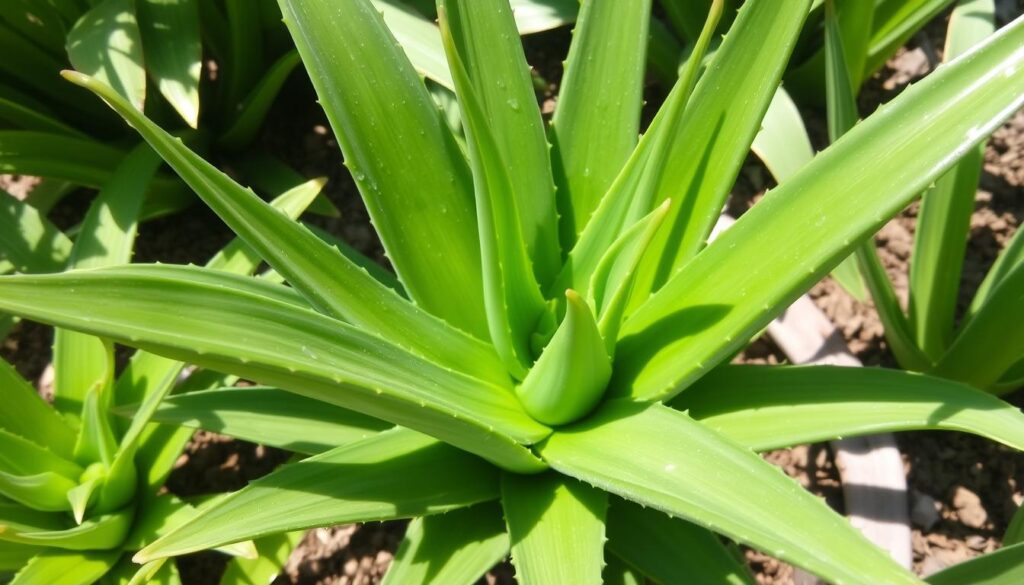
[28,241]
[773,407]
[106,44]
[1011,257]
[269,416]
[174,52]
[26,414]
[332,283]
[22,114]
[671,550]
[571,374]
[782,143]
[39,22]
[799,231]
[597,117]
[245,51]
[397,474]
[663,459]
[45,491]
[1002,567]
[420,40]
[895,21]
[455,548]
[106,239]
[1015,531]
[422,210]
[66,568]
[556,527]
[96,534]
[856,21]
[15,556]
[253,110]
[273,553]
[617,572]
[940,235]
[24,457]
[511,295]
[992,341]
[533,16]
[58,156]
[715,131]
[20,518]
[233,331]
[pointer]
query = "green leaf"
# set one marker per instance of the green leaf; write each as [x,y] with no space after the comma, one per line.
[397,474]
[269,416]
[1011,257]
[940,235]
[670,550]
[105,43]
[419,38]
[992,341]
[1002,567]
[26,414]
[511,295]
[253,110]
[22,115]
[24,457]
[245,51]
[895,21]
[556,526]
[782,143]
[45,491]
[273,554]
[39,22]
[617,572]
[769,408]
[101,533]
[66,568]
[15,556]
[1015,531]
[58,156]
[269,341]
[28,240]
[332,283]
[714,133]
[597,116]
[572,373]
[174,52]
[663,459]
[23,519]
[423,212]
[454,548]
[795,234]
[533,16]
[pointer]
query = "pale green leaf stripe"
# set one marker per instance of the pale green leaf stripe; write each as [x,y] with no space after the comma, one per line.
[597,116]
[269,416]
[66,568]
[410,170]
[28,240]
[796,233]
[334,284]
[556,526]
[663,459]
[253,111]
[174,52]
[671,550]
[105,43]
[455,548]
[420,40]
[96,534]
[233,331]
[993,340]
[27,415]
[769,408]
[1002,567]
[397,474]
[106,239]
[484,33]
[714,133]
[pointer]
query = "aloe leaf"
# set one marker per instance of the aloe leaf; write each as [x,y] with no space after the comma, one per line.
[22,115]
[331,282]
[663,459]
[45,491]
[19,518]
[269,416]
[533,16]
[770,408]
[270,175]
[1015,531]
[273,552]
[245,54]
[411,205]
[106,239]
[58,156]
[96,440]
[38,22]
[597,117]
[686,16]
[671,550]
[895,21]
[1002,567]
[282,345]
[992,341]
[556,527]
[174,52]
[98,534]
[253,110]
[511,296]
[15,556]
[940,237]
[24,457]
[1011,257]
[847,192]
[28,240]
[713,135]
[617,572]
[396,474]
[26,414]
[455,548]
[106,44]
[571,374]
[419,38]
[66,568]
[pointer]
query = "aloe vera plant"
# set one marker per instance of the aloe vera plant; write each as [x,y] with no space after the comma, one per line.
[554,390]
